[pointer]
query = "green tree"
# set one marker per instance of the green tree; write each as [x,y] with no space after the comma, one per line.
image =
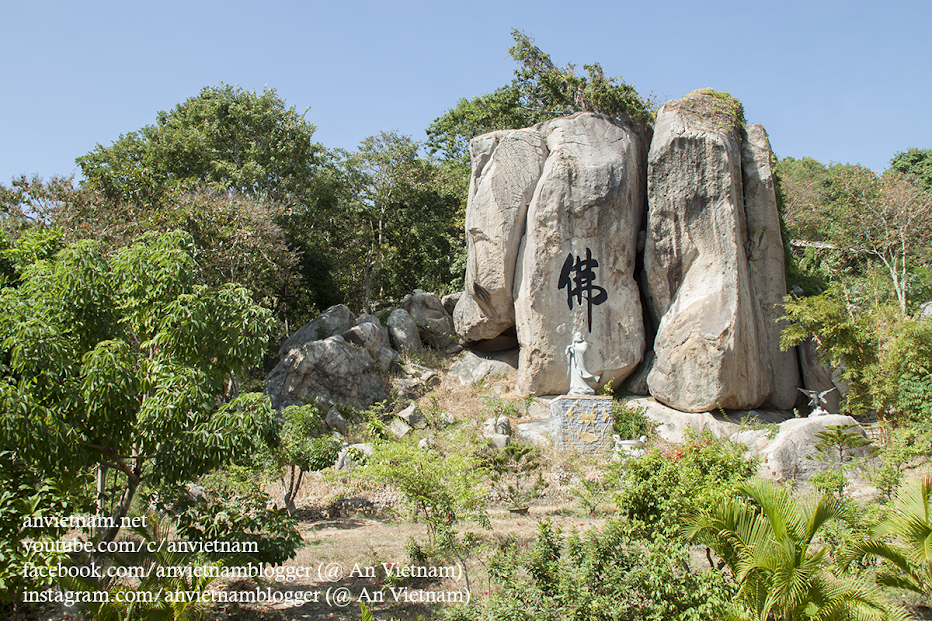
[405,219]
[884,217]
[540,91]
[226,137]
[115,364]
[838,442]
[847,339]
[804,185]
[301,448]
[768,540]
[916,164]
[238,170]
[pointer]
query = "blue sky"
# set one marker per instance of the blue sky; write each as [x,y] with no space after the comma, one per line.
[838,81]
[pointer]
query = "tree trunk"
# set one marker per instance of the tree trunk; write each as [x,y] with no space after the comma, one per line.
[101,493]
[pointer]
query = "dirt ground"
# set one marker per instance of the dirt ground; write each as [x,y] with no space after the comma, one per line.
[352,535]
[349,553]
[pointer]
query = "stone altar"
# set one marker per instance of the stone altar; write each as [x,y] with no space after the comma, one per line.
[582,423]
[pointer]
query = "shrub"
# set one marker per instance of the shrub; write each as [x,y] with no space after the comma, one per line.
[769,541]
[299,450]
[612,573]
[441,483]
[663,485]
[630,423]
[232,510]
[515,472]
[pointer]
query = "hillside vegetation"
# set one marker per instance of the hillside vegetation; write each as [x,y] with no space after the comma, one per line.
[142,306]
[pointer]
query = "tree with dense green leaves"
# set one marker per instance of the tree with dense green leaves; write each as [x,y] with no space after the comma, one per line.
[916,164]
[405,220]
[238,170]
[113,364]
[540,91]
[301,448]
[804,184]
[886,217]
[225,137]
[768,540]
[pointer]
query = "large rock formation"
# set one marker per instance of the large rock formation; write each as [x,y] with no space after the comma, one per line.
[716,343]
[552,224]
[332,321]
[506,166]
[575,270]
[766,260]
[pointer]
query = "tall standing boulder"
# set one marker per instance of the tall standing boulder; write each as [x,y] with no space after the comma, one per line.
[403,332]
[766,260]
[506,166]
[708,349]
[575,266]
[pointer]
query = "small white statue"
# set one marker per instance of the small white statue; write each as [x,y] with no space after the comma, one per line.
[581,380]
[816,399]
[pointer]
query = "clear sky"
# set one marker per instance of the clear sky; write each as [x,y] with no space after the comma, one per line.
[846,81]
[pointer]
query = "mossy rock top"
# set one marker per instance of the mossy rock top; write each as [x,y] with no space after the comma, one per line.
[712,110]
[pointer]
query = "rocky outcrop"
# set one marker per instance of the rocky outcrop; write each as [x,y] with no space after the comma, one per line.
[792,454]
[506,166]
[787,447]
[472,368]
[433,322]
[330,368]
[403,332]
[367,334]
[551,225]
[714,347]
[332,321]
[575,270]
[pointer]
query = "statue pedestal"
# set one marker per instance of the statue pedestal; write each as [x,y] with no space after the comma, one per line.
[582,423]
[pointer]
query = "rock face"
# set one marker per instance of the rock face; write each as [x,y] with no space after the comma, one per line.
[506,166]
[432,320]
[368,335]
[332,368]
[552,223]
[472,368]
[332,321]
[403,331]
[792,453]
[714,346]
[766,260]
[817,376]
[582,232]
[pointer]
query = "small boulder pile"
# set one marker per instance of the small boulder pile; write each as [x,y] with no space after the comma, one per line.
[340,358]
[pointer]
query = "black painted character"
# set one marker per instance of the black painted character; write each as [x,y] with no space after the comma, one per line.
[581,284]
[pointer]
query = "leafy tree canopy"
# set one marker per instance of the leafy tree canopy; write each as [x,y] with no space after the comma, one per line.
[238,170]
[405,216]
[915,164]
[226,137]
[116,363]
[540,91]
